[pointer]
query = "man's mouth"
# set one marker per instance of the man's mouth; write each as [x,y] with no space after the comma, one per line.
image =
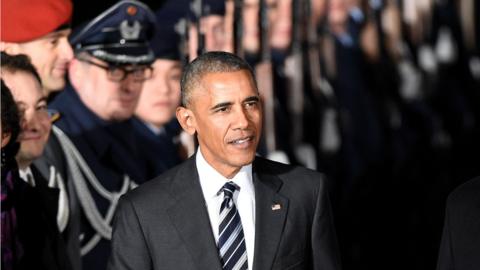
[242,140]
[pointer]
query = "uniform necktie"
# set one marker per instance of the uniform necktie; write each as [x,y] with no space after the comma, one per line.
[231,240]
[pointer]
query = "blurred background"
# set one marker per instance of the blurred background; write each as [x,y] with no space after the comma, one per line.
[383,96]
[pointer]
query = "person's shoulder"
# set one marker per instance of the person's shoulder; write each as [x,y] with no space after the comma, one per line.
[158,188]
[289,173]
[466,195]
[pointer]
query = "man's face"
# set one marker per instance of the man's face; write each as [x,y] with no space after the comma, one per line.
[213,28]
[280,16]
[35,123]
[251,32]
[161,94]
[337,12]
[50,55]
[108,99]
[226,114]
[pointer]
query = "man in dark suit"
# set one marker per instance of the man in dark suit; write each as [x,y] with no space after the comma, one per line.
[460,245]
[187,218]
[34,199]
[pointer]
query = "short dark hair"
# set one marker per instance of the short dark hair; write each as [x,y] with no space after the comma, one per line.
[210,62]
[19,62]
[10,121]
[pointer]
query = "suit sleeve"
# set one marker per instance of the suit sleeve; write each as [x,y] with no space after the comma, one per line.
[129,248]
[325,253]
[445,256]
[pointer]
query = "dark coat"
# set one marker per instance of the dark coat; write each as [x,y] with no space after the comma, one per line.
[41,240]
[164,223]
[110,151]
[460,245]
[159,152]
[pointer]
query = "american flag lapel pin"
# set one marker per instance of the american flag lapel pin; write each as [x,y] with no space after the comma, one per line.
[276,207]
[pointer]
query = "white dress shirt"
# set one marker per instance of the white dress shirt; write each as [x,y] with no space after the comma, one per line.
[212,182]
[27,176]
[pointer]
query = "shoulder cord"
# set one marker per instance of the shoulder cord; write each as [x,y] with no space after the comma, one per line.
[77,165]
[56,181]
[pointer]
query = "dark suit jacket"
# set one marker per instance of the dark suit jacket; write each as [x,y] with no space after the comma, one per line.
[460,245]
[164,223]
[43,245]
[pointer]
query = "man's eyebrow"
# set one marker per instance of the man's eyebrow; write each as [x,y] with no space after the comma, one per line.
[221,105]
[53,35]
[252,98]
[44,99]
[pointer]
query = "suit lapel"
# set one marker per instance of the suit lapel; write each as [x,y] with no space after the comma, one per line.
[189,215]
[271,212]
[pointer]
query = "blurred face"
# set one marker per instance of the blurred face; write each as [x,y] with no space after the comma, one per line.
[213,28]
[50,56]
[228,26]
[337,12]
[318,9]
[161,94]
[280,14]
[27,93]
[110,100]
[251,33]
[226,114]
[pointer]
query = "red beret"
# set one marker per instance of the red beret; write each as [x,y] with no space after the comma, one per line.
[26,20]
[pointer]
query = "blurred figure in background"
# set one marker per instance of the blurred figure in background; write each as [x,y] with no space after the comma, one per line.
[207,28]
[39,29]
[461,237]
[35,202]
[12,249]
[99,158]
[155,123]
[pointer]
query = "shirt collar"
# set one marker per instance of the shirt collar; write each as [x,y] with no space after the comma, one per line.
[27,175]
[212,181]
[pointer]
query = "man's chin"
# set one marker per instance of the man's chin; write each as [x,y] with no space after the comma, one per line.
[120,116]
[54,85]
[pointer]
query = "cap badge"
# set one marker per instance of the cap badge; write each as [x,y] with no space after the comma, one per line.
[130,31]
[131,10]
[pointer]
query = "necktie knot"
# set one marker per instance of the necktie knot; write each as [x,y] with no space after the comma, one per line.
[228,190]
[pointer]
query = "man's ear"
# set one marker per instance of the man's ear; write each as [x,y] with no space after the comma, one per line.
[9,48]
[5,138]
[186,119]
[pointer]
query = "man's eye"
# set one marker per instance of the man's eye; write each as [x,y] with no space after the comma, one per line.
[54,41]
[222,109]
[251,104]
[42,107]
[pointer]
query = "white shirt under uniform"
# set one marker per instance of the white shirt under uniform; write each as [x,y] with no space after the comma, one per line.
[212,182]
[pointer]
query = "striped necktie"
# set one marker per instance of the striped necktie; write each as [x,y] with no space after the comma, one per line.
[231,240]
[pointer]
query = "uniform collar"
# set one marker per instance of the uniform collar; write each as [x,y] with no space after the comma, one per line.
[79,121]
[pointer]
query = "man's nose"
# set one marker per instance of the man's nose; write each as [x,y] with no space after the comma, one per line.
[65,49]
[130,84]
[242,119]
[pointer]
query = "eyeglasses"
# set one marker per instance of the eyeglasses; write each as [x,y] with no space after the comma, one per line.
[118,73]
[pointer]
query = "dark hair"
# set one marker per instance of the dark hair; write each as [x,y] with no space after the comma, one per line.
[19,62]
[10,122]
[210,62]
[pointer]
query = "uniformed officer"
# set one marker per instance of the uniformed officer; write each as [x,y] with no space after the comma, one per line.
[100,160]
[211,15]
[155,123]
[39,29]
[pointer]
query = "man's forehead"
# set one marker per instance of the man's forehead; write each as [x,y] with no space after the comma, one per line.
[19,83]
[60,33]
[52,35]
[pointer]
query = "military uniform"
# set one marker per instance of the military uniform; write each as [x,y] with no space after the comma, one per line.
[98,159]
